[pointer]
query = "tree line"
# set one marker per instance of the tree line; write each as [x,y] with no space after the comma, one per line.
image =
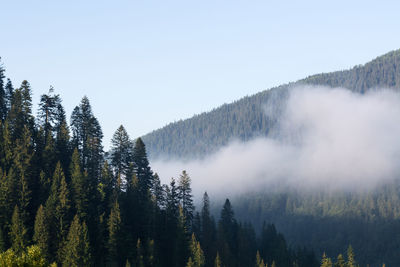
[66,202]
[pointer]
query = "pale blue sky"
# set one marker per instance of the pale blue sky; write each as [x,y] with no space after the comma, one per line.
[144,64]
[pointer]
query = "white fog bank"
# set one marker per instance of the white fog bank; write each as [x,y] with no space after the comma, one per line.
[330,138]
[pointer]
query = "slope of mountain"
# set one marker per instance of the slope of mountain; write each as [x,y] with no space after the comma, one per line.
[246,118]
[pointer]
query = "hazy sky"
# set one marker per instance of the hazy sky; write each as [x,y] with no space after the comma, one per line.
[147,63]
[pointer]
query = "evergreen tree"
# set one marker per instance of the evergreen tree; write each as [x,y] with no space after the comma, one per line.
[9,91]
[80,193]
[259,260]
[121,151]
[58,208]
[350,257]
[158,192]
[340,262]
[208,231]
[186,197]
[41,235]
[114,228]
[196,253]
[217,262]
[326,262]
[87,138]
[142,168]
[77,247]
[18,233]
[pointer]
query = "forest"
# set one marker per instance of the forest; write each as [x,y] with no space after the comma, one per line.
[257,115]
[64,201]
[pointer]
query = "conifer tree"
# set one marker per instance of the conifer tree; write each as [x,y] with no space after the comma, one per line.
[87,138]
[18,233]
[121,151]
[208,231]
[186,197]
[326,262]
[22,160]
[350,257]
[80,194]
[8,196]
[77,247]
[58,208]
[158,192]
[190,263]
[142,167]
[217,262]
[196,253]
[9,91]
[41,235]
[114,227]
[340,262]
[259,260]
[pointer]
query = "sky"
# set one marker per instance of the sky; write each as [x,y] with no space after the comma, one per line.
[145,64]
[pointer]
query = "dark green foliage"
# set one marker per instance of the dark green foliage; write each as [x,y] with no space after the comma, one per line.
[64,197]
[246,118]
[18,233]
[186,197]
[80,192]
[121,151]
[41,235]
[114,235]
[142,167]
[77,247]
[330,221]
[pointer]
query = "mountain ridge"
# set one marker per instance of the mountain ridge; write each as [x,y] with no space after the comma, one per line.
[246,118]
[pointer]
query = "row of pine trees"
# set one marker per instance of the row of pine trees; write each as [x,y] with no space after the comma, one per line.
[64,201]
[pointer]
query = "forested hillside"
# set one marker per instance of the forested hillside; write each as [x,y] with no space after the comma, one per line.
[329,221]
[62,203]
[256,115]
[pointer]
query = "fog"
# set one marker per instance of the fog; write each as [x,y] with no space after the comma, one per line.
[327,138]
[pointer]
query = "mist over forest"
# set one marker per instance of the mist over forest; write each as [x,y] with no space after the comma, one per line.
[326,139]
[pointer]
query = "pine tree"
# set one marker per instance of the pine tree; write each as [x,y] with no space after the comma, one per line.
[259,260]
[18,232]
[114,227]
[158,192]
[121,151]
[208,231]
[142,168]
[58,208]
[326,262]
[340,262]
[190,263]
[9,91]
[87,138]
[217,262]
[186,197]
[350,257]
[77,247]
[79,187]
[22,160]
[196,253]
[41,235]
